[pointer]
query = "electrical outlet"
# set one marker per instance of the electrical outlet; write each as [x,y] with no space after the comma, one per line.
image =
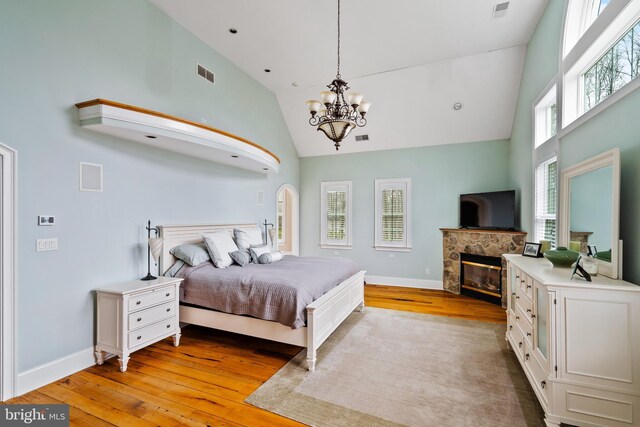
[47,245]
[46,220]
[426,271]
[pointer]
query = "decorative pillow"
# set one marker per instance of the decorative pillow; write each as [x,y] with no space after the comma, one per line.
[192,253]
[270,257]
[171,272]
[240,257]
[247,238]
[256,251]
[219,244]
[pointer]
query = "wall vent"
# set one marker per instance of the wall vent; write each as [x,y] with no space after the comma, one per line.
[205,74]
[362,137]
[260,198]
[500,9]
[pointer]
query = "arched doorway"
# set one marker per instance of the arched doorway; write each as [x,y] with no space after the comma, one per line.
[288,220]
[8,161]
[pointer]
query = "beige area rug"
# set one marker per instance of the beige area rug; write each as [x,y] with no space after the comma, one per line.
[388,368]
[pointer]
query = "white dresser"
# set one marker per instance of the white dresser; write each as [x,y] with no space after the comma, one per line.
[135,314]
[578,342]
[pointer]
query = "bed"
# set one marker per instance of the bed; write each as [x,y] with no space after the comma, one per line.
[323,315]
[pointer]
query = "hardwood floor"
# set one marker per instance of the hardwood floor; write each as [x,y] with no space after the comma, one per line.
[205,380]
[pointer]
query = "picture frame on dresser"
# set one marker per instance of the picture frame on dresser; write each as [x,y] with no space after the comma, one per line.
[532,249]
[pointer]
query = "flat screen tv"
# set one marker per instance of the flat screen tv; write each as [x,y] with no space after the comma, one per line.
[494,210]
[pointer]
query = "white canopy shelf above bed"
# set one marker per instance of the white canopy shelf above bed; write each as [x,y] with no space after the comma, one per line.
[175,134]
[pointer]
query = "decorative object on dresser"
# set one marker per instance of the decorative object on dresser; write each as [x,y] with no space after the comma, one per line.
[578,342]
[561,256]
[532,249]
[323,315]
[490,244]
[135,314]
[154,247]
[579,271]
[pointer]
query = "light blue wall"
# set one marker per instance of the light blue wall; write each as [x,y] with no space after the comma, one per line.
[439,175]
[617,126]
[57,53]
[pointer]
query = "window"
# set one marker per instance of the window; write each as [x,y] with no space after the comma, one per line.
[335,214]
[393,214]
[617,67]
[546,197]
[546,117]
[281,217]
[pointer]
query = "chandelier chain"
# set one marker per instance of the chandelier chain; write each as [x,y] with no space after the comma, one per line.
[338,73]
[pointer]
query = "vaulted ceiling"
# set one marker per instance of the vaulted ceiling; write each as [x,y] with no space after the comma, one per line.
[413,59]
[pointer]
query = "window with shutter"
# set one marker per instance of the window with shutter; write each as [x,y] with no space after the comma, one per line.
[546,196]
[393,214]
[335,214]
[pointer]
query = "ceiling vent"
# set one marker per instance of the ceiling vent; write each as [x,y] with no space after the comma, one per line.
[205,74]
[500,10]
[362,137]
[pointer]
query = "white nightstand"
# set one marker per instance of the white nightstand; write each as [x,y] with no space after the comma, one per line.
[135,314]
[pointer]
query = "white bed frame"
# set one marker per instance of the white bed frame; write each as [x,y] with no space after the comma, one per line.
[324,315]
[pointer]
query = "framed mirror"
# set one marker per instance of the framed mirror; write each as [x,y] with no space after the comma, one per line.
[590,209]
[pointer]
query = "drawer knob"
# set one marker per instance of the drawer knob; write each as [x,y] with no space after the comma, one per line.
[533,316]
[528,286]
[139,337]
[527,356]
[168,309]
[528,310]
[513,293]
[517,317]
[517,296]
[517,276]
[139,319]
[168,326]
[528,334]
[167,294]
[521,281]
[510,327]
[543,384]
[138,302]
[520,344]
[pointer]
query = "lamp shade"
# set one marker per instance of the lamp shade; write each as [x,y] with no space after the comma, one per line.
[355,98]
[328,97]
[336,130]
[314,106]
[272,236]
[155,244]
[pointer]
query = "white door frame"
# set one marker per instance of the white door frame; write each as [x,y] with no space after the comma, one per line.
[8,220]
[295,213]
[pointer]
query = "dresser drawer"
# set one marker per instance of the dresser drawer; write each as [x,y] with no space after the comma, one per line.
[517,341]
[523,322]
[539,377]
[147,299]
[523,301]
[143,335]
[151,315]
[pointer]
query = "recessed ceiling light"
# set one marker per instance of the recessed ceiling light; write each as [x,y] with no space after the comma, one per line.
[266,70]
[151,136]
[233,31]
[265,169]
[234,156]
[295,84]
[457,106]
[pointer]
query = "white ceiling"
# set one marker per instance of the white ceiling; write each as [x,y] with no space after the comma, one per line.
[411,58]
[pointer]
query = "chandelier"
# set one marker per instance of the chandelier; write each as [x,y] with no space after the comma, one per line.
[340,114]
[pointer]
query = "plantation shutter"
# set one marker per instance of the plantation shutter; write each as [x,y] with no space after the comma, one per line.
[393,214]
[546,195]
[336,215]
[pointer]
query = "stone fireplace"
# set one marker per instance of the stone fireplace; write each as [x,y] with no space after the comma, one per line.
[487,243]
[481,277]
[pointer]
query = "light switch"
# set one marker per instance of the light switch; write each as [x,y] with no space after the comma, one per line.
[46,220]
[47,245]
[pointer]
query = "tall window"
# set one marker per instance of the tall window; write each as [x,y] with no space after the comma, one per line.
[393,214]
[335,214]
[281,217]
[617,67]
[546,199]
[546,169]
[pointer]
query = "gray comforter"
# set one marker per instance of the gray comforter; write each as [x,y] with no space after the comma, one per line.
[279,291]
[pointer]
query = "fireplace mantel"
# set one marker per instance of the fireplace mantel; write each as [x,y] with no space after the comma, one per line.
[476,242]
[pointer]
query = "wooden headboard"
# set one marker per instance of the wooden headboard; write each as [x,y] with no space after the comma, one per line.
[175,235]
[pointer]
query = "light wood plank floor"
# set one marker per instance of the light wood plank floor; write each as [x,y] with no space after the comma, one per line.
[205,380]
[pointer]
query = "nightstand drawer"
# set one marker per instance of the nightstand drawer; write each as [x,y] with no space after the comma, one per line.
[150,332]
[151,315]
[140,301]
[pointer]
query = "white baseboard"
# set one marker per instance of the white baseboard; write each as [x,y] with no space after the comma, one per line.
[53,371]
[401,281]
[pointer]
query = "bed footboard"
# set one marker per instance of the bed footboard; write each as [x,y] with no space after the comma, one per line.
[326,313]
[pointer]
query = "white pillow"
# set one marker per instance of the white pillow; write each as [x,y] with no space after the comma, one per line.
[256,251]
[255,235]
[219,244]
